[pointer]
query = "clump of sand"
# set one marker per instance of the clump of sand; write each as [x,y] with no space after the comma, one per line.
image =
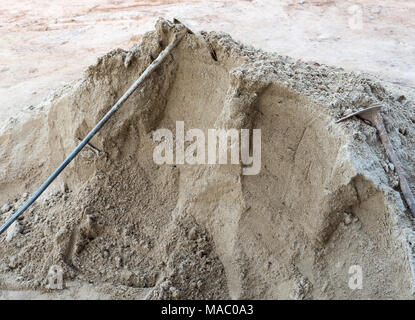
[121,226]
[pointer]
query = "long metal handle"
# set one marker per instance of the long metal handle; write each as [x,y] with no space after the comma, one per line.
[162,56]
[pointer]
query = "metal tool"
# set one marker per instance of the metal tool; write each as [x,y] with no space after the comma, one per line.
[162,56]
[372,115]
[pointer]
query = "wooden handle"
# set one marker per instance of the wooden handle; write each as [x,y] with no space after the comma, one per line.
[403,182]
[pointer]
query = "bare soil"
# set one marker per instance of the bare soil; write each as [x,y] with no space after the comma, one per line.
[44,44]
[326,197]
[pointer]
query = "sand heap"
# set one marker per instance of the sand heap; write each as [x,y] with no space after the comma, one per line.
[326,197]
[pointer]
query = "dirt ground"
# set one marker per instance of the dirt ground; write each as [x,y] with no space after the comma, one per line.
[45,44]
[118,225]
[326,198]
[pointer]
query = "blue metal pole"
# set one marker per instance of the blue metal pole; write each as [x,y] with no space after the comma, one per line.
[162,56]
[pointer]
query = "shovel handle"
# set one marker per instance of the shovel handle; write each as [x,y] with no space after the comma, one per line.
[403,182]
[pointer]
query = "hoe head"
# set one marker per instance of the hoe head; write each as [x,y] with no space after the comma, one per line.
[365,114]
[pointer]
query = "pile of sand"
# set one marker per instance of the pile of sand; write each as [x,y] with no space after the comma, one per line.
[326,197]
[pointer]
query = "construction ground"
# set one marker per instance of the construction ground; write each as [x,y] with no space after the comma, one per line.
[327,200]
